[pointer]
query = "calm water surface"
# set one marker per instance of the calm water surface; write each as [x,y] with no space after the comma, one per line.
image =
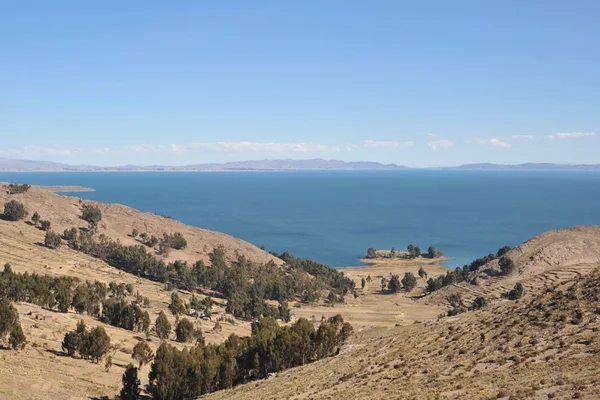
[333,217]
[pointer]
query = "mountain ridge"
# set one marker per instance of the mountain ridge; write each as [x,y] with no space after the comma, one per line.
[315,164]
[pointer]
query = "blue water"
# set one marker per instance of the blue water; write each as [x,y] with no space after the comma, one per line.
[333,217]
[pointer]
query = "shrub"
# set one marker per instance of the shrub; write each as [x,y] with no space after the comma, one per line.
[45,225]
[14,211]
[515,294]
[35,218]
[394,284]
[52,240]
[15,188]
[409,281]
[175,241]
[478,303]
[91,214]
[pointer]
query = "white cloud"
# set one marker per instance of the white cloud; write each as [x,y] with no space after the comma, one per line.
[173,148]
[568,135]
[494,141]
[522,137]
[391,144]
[442,143]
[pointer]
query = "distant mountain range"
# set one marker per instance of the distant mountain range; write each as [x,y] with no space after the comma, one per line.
[317,164]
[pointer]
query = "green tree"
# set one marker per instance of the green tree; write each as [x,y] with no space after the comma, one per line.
[184,330]
[71,343]
[162,326]
[177,306]
[9,325]
[431,253]
[409,282]
[91,214]
[363,282]
[135,233]
[52,240]
[371,252]
[506,265]
[394,284]
[417,252]
[142,353]
[411,250]
[131,384]
[35,218]
[14,211]
[422,273]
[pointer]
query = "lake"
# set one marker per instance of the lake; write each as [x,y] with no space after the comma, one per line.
[333,217]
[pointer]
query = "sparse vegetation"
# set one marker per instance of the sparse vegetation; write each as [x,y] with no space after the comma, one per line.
[15,188]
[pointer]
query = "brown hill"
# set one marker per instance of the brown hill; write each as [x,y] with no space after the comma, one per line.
[542,346]
[118,221]
[544,261]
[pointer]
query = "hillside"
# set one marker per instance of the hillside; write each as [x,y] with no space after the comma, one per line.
[118,222]
[544,261]
[543,345]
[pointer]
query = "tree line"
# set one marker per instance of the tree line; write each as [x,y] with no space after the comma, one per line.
[460,274]
[189,373]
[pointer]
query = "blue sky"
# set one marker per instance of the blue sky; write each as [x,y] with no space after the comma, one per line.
[419,83]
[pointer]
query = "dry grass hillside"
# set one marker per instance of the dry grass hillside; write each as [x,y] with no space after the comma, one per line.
[118,221]
[542,346]
[543,261]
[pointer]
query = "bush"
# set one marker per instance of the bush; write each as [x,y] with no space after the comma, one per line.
[478,303]
[394,284]
[45,225]
[35,218]
[409,281]
[91,214]
[52,240]
[175,241]
[515,294]
[14,211]
[15,188]
[506,265]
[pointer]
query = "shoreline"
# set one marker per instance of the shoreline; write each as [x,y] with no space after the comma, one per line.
[65,189]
